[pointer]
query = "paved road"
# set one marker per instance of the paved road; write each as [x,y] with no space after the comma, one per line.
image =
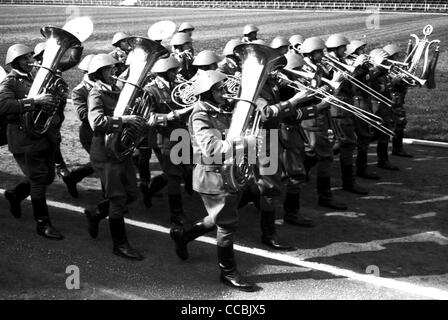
[401,228]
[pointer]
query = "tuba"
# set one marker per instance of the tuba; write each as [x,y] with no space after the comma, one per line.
[48,78]
[257,62]
[133,99]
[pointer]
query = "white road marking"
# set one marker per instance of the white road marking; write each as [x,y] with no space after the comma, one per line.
[425,215]
[339,248]
[376,197]
[444,198]
[390,183]
[345,214]
[414,289]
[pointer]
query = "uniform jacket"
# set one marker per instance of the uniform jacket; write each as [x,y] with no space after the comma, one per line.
[207,125]
[80,95]
[160,105]
[102,100]
[13,104]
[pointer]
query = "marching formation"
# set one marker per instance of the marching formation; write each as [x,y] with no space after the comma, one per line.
[245,127]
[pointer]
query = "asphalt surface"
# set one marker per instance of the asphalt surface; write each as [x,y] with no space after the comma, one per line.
[406,241]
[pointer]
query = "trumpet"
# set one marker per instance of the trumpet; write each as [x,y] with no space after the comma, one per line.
[363,115]
[345,70]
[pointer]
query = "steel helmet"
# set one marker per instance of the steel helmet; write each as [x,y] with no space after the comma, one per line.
[249,28]
[206,80]
[296,39]
[294,60]
[279,41]
[185,26]
[163,65]
[101,60]
[353,46]
[39,48]
[118,37]
[85,62]
[336,40]
[392,49]
[230,45]
[312,44]
[205,58]
[15,51]
[180,38]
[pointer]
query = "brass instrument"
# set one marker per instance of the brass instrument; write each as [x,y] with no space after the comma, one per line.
[306,84]
[258,61]
[345,71]
[133,99]
[415,53]
[48,78]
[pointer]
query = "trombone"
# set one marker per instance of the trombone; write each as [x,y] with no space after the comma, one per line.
[364,115]
[345,70]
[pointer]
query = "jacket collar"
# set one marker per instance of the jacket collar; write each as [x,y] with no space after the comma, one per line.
[106,87]
[21,74]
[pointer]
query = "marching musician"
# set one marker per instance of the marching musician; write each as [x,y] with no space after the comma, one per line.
[183,51]
[166,119]
[207,125]
[121,50]
[317,129]
[34,153]
[398,93]
[380,82]
[73,58]
[337,45]
[361,99]
[230,64]
[187,28]
[249,33]
[118,176]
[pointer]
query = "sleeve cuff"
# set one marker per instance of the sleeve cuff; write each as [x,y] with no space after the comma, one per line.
[115,124]
[27,105]
[306,113]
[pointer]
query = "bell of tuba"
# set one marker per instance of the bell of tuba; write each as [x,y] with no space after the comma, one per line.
[257,62]
[48,78]
[133,99]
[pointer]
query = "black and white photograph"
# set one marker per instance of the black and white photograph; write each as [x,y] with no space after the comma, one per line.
[238,153]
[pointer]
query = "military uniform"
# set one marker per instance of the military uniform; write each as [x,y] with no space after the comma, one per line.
[33,153]
[398,90]
[118,176]
[159,92]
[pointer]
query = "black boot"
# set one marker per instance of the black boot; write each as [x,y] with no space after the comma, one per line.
[250,194]
[147,198]
[383,157]
[188,179]
[267,222]
[16,196]
[122,247]
[229,273]
[181,237]
[348,181]
[94,218]
[178,217]
[397,145]
[75,177]
[326,197]
[157,183]
[44,227]
[292,214]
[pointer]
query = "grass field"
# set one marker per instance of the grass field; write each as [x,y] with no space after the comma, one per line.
[426,109]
